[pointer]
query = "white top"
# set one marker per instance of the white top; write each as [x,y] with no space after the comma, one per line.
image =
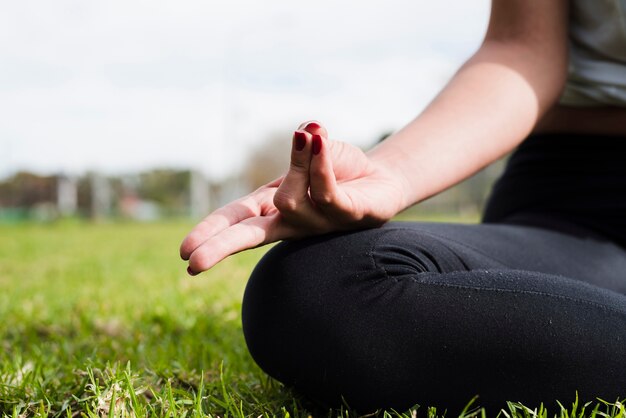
[597,48]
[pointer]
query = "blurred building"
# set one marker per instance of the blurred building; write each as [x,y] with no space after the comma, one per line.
[144,196]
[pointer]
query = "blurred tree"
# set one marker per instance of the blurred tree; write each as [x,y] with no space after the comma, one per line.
[467,198]
[167,187]
[269,160]
[27,189]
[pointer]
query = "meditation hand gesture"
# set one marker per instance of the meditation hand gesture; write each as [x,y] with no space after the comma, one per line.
[330,186]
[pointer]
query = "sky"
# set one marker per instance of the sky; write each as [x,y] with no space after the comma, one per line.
[121,86]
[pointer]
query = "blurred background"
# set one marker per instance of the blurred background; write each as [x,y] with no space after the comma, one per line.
[147,110]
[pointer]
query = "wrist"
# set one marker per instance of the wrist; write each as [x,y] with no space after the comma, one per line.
[389,166]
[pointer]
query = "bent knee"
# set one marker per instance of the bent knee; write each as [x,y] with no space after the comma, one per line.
[285,315]
[302,305]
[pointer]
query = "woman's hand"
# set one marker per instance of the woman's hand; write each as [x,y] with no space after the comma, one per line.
[330,186]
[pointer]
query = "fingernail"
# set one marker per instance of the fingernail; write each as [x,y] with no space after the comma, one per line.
[312,125]
[190,272]
[300,140]
[317,144]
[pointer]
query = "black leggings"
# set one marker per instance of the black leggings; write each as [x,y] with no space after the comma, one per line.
[434,314]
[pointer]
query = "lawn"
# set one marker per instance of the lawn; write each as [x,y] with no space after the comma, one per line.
[102,320]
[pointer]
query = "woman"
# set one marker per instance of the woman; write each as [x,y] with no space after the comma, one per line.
[527,306]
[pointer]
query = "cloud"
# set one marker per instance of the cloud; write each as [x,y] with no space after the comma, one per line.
[125,85]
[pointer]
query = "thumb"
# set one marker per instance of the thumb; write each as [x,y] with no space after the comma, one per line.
[292,196]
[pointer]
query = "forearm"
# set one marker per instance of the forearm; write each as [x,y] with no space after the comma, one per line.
[490,105]
[485,111]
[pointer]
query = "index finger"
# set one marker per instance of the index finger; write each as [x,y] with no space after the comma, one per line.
[314,128]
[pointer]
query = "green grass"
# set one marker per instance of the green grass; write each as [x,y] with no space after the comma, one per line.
[101,320]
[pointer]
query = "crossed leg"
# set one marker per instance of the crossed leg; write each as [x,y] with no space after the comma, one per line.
[434,314]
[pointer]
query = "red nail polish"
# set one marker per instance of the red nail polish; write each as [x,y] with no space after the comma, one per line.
[312,125]
[299,140]
[190,272]
[317,144]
